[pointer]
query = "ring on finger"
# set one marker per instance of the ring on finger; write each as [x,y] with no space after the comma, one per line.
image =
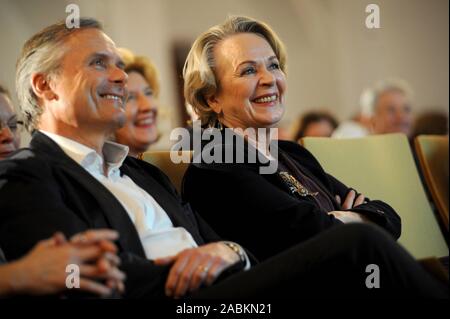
[203,269]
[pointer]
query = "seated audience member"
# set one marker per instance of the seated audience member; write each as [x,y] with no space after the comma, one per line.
[141,109]
[316,124]
[391,108]
[72,90]
[387,107]
[9,125]
[43,270]
[295,202]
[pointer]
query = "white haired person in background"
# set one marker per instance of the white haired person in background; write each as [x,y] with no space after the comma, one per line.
[385,108]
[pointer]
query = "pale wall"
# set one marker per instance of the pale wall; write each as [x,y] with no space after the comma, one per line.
[332,55]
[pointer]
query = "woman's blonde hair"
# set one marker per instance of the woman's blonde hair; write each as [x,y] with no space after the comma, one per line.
[142,65]
[199,78]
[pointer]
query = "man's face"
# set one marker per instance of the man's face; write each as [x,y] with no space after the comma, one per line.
[90,86]
[392,114]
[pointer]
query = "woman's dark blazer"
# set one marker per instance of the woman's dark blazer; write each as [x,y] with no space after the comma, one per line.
[259,210]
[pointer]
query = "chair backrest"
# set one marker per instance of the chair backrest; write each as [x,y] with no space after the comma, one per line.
[432,151]
[162,160]
[382,167]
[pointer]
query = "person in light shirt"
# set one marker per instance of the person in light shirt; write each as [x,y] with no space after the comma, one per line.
[72,90]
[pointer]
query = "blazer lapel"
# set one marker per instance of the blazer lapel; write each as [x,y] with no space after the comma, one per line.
[168,201]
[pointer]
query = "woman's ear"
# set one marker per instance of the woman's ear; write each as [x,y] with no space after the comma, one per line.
[214,104]
[41,87]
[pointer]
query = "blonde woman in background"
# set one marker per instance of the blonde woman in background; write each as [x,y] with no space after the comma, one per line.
[140,130]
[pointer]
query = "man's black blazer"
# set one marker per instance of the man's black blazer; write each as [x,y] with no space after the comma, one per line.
[43,191]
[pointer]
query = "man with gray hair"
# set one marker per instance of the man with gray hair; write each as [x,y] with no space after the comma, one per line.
[384,108]
[72,90]
[389,106]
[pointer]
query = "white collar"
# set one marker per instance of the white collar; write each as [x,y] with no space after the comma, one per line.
[113,153]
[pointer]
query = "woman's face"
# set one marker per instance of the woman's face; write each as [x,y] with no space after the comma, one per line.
[141,111]
[9,132]
[251,84]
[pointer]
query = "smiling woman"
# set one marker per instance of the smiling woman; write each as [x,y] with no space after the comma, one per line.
[140,130]
[247,67]
[235,78]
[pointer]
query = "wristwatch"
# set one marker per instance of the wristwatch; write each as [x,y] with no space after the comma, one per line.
[237,249]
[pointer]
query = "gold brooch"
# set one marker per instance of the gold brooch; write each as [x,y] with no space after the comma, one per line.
[295,186]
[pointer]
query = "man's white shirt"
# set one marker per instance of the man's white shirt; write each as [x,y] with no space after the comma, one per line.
[158,235]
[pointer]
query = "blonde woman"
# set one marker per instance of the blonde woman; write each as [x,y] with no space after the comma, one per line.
[140,129]
[235,79]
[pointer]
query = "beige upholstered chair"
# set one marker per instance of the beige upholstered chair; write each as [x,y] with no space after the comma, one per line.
[162,160]
[383,167]
[432,151]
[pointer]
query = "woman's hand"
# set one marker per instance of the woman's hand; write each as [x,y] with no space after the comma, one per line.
[349,202]
[193,267]
[348,217]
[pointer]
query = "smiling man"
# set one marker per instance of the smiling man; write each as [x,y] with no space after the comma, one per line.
[84,100]
[72,90]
